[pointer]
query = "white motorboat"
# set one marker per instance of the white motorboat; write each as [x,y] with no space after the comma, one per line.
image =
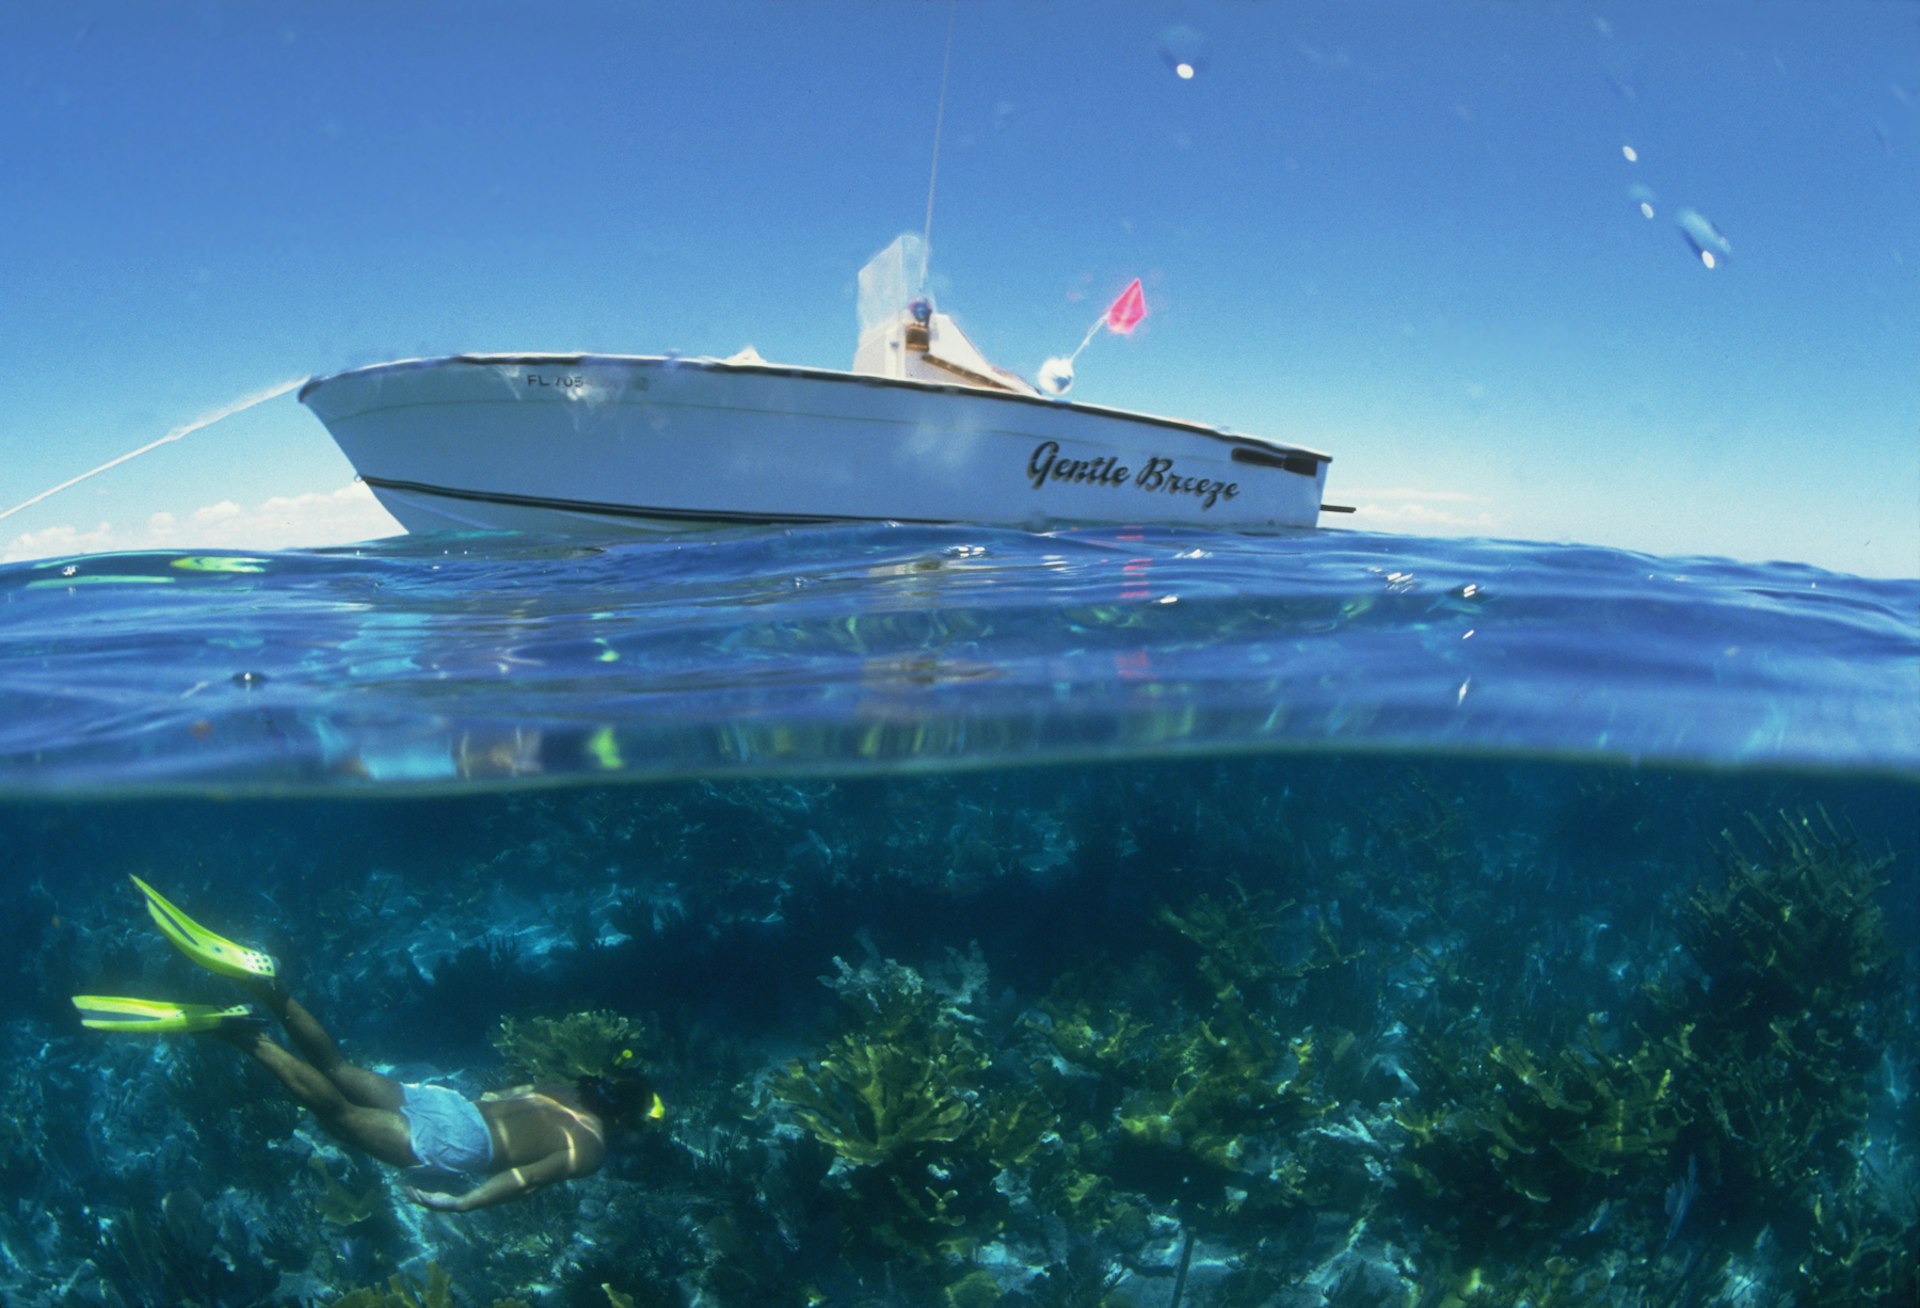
[923,429]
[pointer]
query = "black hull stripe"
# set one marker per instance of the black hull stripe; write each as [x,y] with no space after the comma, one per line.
[636,511]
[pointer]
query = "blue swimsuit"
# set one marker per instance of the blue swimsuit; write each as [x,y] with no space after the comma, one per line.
[448,1132]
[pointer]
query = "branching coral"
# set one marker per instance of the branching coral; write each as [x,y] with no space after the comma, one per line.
[873,1102]
[567,1048]
[899,1102]
[1860,1253]
[400,1292]
[339,1206]
[1206,1105]
[1773,1044]
[1783,1026]
[1214,1083]
[903,1080]
[1519,1144]
[1796,934]
[1236,942]
[1107,1039]
[1429,832]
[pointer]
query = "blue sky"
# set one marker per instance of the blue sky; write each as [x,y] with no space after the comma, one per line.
[1400,232]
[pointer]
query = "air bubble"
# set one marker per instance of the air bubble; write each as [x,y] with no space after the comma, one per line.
[1705,240]
[1183,50]
[1643,198]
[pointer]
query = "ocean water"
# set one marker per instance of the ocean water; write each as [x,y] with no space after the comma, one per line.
[1099,918]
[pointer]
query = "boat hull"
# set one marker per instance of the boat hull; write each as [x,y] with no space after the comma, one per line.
[600,445]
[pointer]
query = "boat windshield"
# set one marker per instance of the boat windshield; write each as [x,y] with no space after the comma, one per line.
[892,280]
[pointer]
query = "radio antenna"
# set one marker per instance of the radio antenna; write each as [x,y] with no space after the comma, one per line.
[939,120]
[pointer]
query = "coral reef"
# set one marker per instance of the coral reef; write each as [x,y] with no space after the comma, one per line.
[1215,1031]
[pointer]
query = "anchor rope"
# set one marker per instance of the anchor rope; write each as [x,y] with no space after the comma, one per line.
[238,406]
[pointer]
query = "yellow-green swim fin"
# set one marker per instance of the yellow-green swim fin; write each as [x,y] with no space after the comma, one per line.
[117,1013]
[216,953]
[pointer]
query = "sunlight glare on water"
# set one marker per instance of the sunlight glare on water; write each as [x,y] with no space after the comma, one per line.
[868,648]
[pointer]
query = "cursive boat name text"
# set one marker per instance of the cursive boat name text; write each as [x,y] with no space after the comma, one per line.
[1157,474]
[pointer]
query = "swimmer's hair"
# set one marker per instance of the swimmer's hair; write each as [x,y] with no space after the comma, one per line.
[623,1098]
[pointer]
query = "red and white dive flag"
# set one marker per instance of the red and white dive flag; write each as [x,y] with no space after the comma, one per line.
[1125,313]
[1121,317]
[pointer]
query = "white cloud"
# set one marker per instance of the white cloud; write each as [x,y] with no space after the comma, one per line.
[284,522]
[1417,511]
[1415,493]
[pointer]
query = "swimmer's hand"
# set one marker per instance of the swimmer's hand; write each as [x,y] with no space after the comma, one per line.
[439,1203]
[575,1159]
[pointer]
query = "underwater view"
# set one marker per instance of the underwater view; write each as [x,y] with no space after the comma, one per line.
[949,917]
[960,654]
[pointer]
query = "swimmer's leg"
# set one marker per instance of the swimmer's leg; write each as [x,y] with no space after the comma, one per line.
[357,1084]
[380,1132]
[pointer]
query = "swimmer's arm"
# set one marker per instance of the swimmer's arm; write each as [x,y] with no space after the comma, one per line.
[503,1186]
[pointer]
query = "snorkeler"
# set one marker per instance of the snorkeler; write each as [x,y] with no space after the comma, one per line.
[522,1139]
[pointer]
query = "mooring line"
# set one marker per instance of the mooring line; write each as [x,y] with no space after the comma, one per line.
[238,406]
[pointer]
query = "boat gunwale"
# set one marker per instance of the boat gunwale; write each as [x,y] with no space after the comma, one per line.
[826,375]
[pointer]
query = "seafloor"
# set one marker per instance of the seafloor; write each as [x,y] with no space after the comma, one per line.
[1269,1031]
